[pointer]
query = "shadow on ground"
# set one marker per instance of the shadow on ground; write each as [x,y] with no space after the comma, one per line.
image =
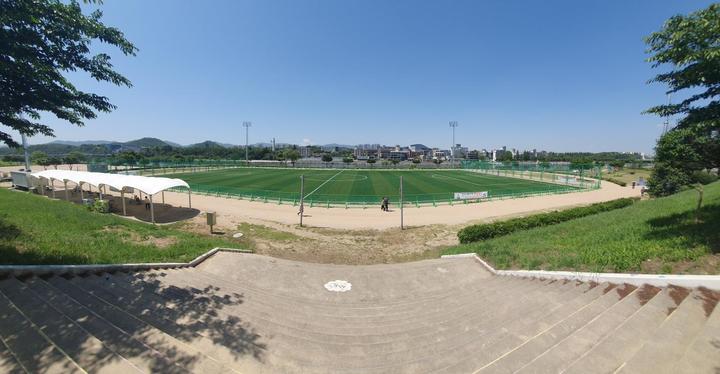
[12,251]
[706,232]
[169,329]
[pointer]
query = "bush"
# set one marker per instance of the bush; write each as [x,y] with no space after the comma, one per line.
[476,233]
[100,206]
[616,181]
[704,177]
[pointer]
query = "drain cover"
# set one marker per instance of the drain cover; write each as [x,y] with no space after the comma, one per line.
[338,286]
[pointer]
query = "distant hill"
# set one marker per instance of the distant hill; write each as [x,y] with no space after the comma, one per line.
[211,144]
[147,143]
[91,147]
[78,143]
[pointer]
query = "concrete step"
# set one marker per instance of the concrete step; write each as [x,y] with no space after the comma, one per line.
[483,351]
[86,350]
[343,348]
[669,342]
[8,362]
[520,356]
[223,350]
[398,282]
[464,346]
[354,333]
[142,356]
[32,349]
[169,344]
[703,355]
[332,315]
[317,319]
[627,338]
[563,353]
[169,312]
[339,303]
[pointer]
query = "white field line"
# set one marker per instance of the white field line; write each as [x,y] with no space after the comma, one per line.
[323,183]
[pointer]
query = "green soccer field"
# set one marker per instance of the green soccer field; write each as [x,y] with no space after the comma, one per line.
[360,187]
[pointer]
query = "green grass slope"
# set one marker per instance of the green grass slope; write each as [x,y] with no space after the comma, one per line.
[656,236]
[37,230]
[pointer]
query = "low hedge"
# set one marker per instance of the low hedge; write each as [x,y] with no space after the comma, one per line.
[616,181]
[484,231]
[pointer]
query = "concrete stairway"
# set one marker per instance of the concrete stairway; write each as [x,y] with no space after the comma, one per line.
[255,314]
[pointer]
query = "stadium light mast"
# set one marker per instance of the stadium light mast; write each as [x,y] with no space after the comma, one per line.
[453,125]
[247,125]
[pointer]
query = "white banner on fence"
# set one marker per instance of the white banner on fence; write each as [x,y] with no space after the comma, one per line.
[470,195]
[575,181]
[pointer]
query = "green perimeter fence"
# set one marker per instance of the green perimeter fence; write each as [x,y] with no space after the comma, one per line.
[360,201]
[564,178]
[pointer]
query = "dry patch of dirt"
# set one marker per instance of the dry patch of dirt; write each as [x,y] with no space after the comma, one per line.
[135,238]
[324,245]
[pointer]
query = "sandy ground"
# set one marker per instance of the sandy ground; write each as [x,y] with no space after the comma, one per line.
[78,167]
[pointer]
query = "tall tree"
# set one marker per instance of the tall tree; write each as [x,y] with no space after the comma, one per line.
[40,41]
[689,45]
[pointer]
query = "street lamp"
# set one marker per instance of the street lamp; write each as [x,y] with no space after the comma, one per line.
[246,125]
[453,125]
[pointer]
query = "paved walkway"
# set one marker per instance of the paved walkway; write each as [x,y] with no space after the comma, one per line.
[255,314]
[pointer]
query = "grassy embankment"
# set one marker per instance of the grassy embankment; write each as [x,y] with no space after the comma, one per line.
[627,176]
[37,230]
[655,236]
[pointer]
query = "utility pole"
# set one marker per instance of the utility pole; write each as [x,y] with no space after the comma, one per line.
[247,125]
[453,125]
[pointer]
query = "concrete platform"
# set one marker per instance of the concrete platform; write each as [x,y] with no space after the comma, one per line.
[247,313]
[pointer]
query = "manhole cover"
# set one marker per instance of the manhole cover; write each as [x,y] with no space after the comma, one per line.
[338,286]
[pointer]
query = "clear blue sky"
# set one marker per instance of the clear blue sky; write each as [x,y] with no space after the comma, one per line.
[555,75]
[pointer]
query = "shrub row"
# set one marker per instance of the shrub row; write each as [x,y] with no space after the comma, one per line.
[616,181]
[479,232]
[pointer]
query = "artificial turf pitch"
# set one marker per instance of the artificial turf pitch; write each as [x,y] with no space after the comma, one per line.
[351,186]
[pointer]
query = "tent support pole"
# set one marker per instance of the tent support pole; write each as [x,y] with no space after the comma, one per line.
[81,193]
[100,192]
[152,210]
[52,182]
[122,197]
[67,198]
[163,197]
[189,198]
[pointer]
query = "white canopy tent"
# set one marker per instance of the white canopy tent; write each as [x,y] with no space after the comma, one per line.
[147,185]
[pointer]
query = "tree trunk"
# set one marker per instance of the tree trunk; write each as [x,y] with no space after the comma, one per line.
[699,189]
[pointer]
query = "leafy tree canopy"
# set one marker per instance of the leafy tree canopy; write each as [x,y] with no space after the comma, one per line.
[40,41]
[689,45]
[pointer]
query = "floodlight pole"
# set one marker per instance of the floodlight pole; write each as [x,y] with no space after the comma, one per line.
[453,125]
[247,125]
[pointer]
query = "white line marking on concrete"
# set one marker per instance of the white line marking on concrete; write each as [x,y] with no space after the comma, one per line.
[323,183]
